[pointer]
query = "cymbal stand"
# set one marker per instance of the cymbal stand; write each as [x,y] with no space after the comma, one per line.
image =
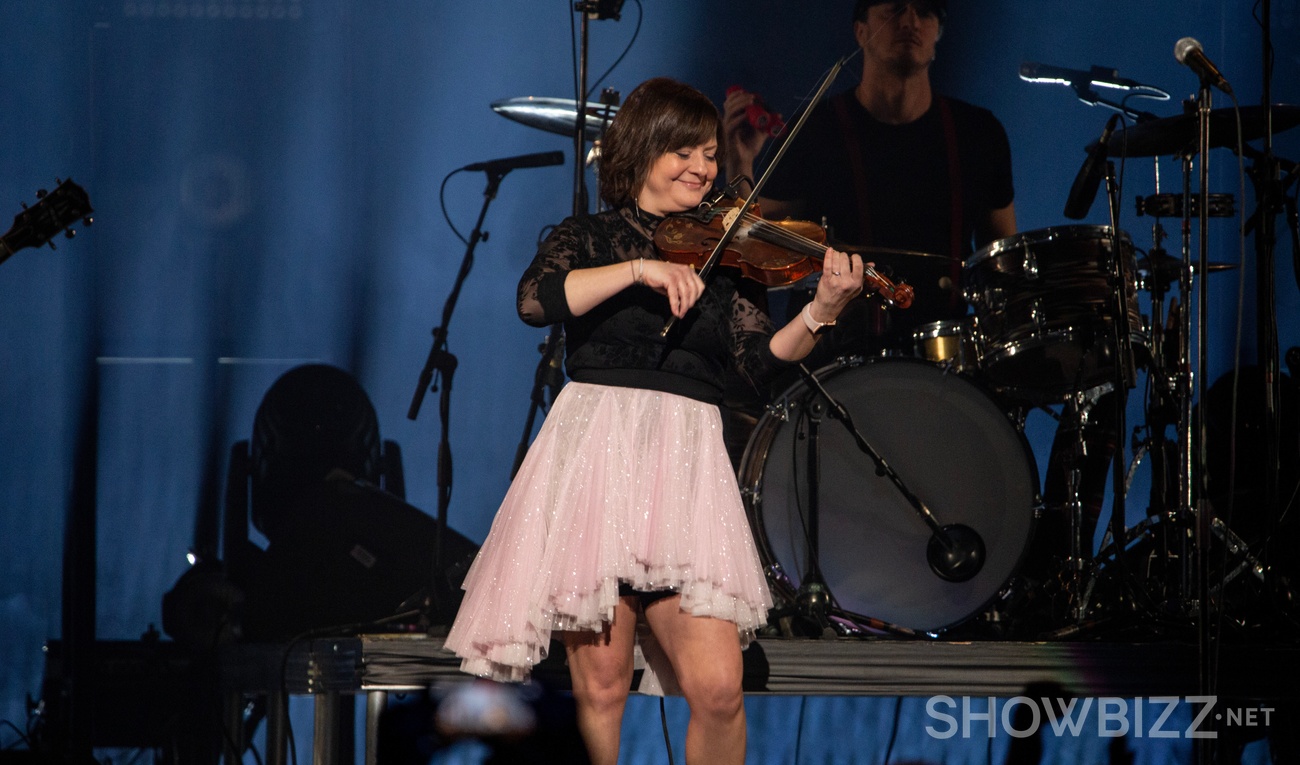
[1161,408]
[1269,195]
[1184,377]
[549,371]
[1078,406]
[1121,341]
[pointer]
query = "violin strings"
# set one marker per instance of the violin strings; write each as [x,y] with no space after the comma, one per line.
[781,236]
[775,232]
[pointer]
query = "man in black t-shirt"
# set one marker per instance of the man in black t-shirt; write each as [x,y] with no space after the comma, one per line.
[891,164]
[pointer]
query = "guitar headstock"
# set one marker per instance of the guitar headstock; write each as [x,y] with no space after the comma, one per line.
[53,212]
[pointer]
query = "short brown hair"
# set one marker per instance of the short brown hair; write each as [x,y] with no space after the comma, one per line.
[658,116]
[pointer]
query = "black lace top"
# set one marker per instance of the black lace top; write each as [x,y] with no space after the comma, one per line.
[618,343]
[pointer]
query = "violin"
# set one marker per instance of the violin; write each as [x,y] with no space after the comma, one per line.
[772,253]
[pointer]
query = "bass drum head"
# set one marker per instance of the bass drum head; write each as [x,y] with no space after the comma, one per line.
[950,444]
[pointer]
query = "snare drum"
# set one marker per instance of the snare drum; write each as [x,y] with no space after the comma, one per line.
[950,444]
[1045,311]
[948,344]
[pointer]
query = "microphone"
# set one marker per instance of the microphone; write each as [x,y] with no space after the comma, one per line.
[1189,53]
[1084,190]
[1107,78]
[541,159]
[956,554]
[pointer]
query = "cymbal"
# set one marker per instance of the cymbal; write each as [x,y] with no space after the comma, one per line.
[556,115]
[1167,268]
[1176,135]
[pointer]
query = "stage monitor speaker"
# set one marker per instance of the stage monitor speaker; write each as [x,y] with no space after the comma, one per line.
[354,558]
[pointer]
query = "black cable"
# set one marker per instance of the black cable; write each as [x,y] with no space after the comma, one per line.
[442,202]
[640,14]
[663,721]
[1227,510]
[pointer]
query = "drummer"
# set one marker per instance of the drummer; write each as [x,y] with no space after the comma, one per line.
[877,161]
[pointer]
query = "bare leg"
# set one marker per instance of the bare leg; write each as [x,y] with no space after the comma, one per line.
[705,654]
[600,666]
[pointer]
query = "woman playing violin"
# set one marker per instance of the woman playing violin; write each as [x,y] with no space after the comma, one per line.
[624,522]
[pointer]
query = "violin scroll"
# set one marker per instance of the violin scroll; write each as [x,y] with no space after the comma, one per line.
[898,295]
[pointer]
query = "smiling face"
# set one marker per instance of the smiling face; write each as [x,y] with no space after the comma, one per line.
[661,149]
[899,36]
[678,180]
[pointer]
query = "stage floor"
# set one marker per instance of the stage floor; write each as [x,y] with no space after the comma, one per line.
[827,666]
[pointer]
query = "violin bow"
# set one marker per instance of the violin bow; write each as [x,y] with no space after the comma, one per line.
[730,232]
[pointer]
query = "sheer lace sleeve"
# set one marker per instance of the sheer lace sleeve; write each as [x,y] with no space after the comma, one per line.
[540,297]
[752,329]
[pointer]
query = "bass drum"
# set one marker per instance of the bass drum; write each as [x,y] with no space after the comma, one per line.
[950,444]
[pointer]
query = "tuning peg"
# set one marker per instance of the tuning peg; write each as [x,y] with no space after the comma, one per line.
[70,233]
[40,194]
[89,220]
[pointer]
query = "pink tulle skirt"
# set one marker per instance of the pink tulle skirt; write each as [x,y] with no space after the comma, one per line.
[621,484]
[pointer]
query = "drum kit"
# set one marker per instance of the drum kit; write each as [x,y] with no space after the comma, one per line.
[857,532]
[1056,325]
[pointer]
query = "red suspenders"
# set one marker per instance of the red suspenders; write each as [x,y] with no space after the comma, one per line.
[854,149]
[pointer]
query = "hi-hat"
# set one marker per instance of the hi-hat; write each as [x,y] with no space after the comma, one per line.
[1166,269]
[556,115]
[1180,134]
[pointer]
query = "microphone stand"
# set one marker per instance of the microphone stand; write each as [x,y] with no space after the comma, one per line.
[444,364]
[1205,635]
[549,371]
[813,599]
[1091,97]
[955,551]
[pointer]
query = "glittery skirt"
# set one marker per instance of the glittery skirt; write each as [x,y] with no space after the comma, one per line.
[621,484]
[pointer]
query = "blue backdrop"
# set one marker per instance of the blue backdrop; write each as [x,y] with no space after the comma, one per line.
[266,179]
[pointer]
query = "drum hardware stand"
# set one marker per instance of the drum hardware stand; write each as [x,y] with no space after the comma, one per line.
[1074,418]
[1125,364]
[956,551]
[1075,415]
